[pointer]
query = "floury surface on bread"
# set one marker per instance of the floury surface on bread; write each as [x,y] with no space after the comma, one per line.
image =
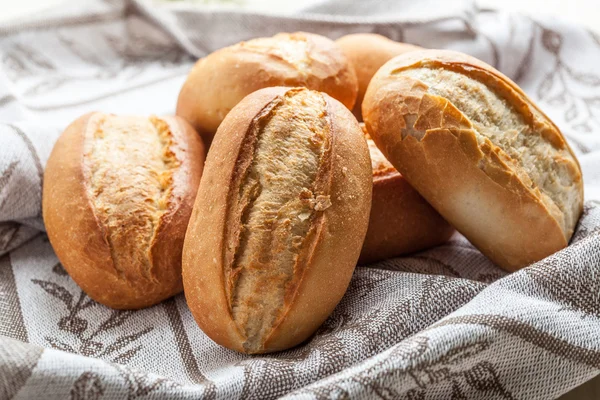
[280,216]
[285,196]
[222,79]
[118,193]
[478,149]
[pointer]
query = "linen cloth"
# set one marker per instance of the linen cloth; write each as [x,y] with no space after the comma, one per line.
[443,323]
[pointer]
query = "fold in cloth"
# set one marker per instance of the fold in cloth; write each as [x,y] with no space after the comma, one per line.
[438,324]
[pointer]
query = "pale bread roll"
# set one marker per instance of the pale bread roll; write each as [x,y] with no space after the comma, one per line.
[367,52]
[480,151]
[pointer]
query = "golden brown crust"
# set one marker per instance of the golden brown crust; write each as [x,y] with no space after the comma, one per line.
[441,146]
[367,52]
[401,220]
[222,79]
[83,234]
[328,251]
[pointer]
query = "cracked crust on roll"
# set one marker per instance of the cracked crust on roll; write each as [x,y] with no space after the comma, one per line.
[118,193]
[222,79]
[274,238]
[480,151]
[401,221]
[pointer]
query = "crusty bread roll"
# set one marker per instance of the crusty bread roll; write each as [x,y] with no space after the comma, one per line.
[401,220]
[118,194]
[367,52]
[279,220]
[222,79]
[481,153]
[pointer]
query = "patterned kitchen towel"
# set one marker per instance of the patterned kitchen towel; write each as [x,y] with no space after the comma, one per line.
[443,323]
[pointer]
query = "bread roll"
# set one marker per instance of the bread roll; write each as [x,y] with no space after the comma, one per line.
[481,153]
[279,220]
[401,221]
[222,79]
[118,194]
[367,52]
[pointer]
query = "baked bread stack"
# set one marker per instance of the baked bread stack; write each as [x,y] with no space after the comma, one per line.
[265,236]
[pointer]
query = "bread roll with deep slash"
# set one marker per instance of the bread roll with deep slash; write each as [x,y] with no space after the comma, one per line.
[480,151]
[367,52]
[279,220]
[118,194]
[401,220]
[222,79]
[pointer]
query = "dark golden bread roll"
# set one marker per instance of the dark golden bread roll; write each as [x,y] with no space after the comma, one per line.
[367,52]
[480,151]
[118,194]
[401,220]
[222,79]
[279,220]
